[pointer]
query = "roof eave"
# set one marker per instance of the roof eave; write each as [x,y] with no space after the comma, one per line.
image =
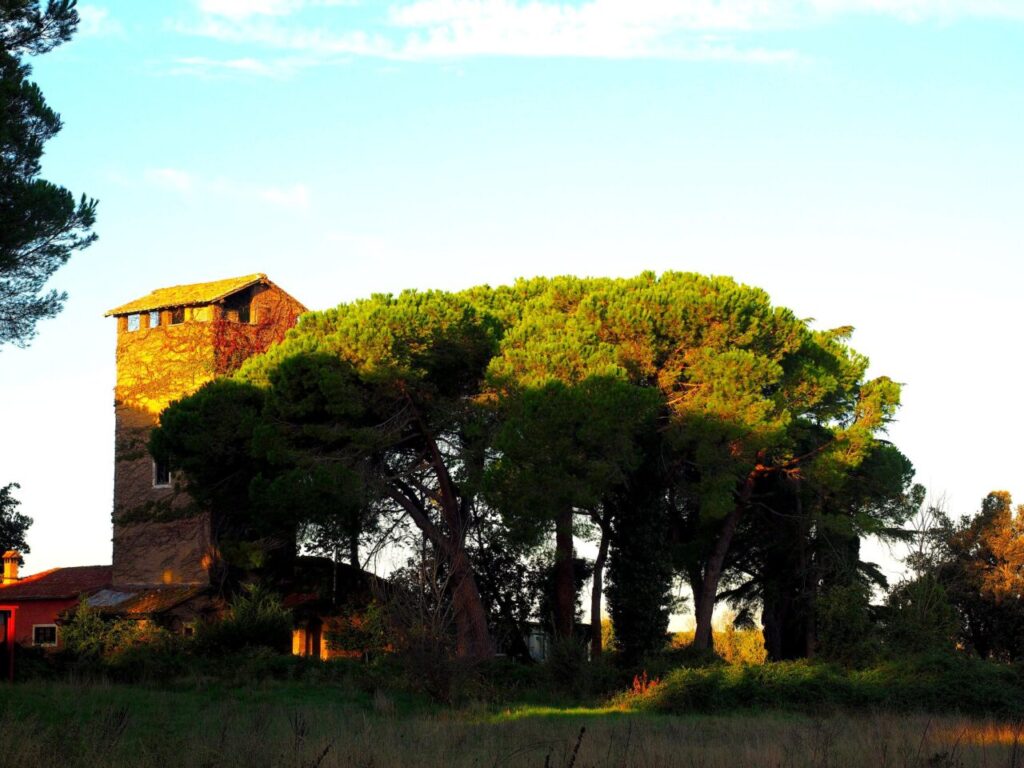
[120,311]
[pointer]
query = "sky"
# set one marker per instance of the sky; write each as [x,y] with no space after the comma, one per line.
[861,160]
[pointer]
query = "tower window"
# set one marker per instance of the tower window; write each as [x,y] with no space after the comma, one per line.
[154,319]
[133,322]
[238,307]
[161,474]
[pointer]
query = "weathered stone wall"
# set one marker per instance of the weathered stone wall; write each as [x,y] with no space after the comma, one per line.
[159,538]
[173,552]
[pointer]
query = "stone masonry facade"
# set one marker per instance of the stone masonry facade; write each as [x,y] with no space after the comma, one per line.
[170,343]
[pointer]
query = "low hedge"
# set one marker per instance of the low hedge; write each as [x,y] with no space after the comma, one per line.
[936,684]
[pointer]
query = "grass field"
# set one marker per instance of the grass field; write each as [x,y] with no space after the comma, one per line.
[293,724]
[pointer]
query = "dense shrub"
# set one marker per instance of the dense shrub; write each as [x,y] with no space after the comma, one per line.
[846,633]
[939,684]
[126,650]
[731,645]
[919,617]
[256,620]
[362,633]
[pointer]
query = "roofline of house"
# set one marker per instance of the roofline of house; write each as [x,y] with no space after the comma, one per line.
[260,279]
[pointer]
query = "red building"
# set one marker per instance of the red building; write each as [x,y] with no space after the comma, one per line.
[29,607]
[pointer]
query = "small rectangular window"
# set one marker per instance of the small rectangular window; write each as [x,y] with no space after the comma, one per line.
[161,474]
[177,315]
[44,634]
[154,319]
[133,322]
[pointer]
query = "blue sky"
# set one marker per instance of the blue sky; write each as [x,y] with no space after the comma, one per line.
[862,160]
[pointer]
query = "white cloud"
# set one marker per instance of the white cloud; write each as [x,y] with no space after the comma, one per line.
[191,185]
[652,19]
[417,32]
[242,9]
[202,66]
[171,178]
[681,29]
[94,21]
[602,28]
[294,196]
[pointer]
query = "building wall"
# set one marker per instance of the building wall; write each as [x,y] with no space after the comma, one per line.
[32,612]
[179,551]
[158,537]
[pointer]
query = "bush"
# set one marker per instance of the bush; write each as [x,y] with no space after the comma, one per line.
[126,650]
[567,663]
[363,633]
[920,618]
[256,620]
[731,645]
[846,633]
[934,684]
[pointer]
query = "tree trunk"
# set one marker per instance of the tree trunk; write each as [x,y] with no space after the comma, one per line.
[565,577]
[704,605]
[353,550]
[704,600]
[472,638]
[595,596]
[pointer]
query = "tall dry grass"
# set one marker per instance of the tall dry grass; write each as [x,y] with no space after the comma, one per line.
[114,728]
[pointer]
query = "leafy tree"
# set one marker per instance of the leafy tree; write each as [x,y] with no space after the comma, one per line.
[563,448]
[400,413]
[667,410]
[845,631]
[41,224]
[209,437]
[980,564]
[13,524]
[749,393]
[510,582]
[919,617]
[640,565]
[802,541]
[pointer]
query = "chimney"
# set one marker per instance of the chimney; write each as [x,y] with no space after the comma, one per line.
[11,560]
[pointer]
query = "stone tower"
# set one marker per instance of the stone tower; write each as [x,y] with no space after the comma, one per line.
[169,343]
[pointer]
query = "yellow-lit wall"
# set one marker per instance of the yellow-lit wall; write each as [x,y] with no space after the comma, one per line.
[157,539]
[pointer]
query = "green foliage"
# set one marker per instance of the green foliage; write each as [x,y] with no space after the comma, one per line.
[640,567]
[13,524]
[732,645]
[977,565]
[364,632]
[566,663]
[90,636]
[255,620]
[123,649]
[658,405]
[935,684]
[919,617]
[40,223]
[511,583]
[846,632]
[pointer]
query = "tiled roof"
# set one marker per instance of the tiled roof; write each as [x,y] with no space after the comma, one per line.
[57,584]
[142,601]
[188,295]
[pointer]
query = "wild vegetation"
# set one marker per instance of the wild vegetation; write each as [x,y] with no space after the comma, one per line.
[308,724]
[695,431]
